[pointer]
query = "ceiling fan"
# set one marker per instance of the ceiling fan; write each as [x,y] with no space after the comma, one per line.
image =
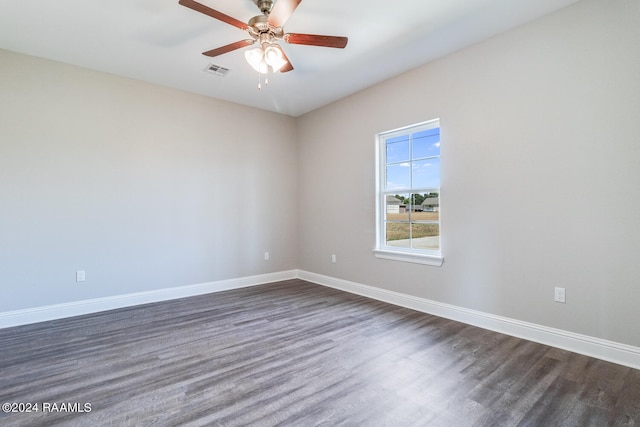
[266,29]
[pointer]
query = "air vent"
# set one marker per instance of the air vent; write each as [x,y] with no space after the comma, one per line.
[217,70]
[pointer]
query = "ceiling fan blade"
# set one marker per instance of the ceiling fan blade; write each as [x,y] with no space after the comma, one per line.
[281,11]
[229,47]
[213,13]
[316,40]
[288,66]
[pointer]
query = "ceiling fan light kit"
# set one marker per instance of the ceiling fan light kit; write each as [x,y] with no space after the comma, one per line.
[266,29]
[261,59]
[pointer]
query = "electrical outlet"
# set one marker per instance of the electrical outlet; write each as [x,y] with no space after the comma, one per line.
[559,295]
[80,276]
[333,258]
[267,256]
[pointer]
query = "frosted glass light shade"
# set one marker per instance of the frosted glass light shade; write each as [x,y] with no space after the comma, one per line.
[255,58]
[273,56]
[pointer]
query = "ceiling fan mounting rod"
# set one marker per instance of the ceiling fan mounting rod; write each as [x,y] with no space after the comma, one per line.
[265,6]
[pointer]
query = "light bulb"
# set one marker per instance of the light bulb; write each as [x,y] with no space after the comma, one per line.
[272,54]
[273,57]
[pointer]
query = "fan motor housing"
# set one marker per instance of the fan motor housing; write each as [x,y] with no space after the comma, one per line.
[260,23]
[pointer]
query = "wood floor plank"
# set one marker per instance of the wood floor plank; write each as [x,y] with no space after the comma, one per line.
[294,353]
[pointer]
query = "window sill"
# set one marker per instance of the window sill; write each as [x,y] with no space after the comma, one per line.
[434,260]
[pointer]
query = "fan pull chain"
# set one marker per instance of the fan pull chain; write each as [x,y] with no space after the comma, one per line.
[266,80]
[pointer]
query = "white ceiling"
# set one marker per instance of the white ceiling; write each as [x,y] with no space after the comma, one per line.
[161,42]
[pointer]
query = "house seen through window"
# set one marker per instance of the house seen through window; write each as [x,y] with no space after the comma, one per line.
[409,193]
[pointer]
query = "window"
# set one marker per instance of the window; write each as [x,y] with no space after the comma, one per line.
[408,211]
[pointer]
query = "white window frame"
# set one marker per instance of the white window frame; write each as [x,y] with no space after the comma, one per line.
[382,250]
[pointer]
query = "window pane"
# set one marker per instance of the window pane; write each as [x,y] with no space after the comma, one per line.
[396,207]
[428,214]
[398,234]
[425,236]
[426,143]
[398,149]
[398,176]
[426,173]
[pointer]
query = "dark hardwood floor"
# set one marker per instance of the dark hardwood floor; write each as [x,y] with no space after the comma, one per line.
[295,353]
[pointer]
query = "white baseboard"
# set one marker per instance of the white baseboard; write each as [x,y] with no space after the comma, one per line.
[77,308]
[611,351]
[595,347]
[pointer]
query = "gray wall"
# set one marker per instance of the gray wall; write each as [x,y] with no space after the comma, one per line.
[140,186]
[540,149]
